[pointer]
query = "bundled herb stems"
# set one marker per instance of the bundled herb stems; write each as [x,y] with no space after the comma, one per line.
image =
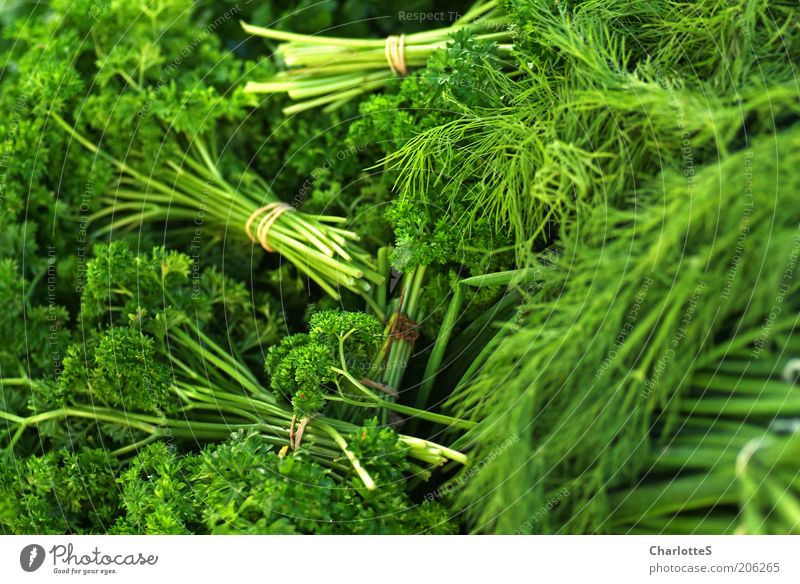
[330,71]
[734,445]
[225,398]
[189,186]
[582,307]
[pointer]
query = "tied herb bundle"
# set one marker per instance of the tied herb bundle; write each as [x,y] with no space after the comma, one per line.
[620,158]
[187,185]
[330,71]
[594,361]
[150,369]
[585,274]
[161,141]
[728,463]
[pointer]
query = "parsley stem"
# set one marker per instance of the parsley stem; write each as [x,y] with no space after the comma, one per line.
[354,461]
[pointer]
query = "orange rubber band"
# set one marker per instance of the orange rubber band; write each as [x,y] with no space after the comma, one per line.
[266,215]
[395,53]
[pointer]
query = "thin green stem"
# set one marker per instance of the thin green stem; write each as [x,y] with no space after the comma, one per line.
[354,461]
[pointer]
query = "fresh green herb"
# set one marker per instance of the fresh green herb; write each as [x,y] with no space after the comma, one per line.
[330,71]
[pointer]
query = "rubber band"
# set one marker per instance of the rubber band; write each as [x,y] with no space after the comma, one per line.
[405,329]
[266,215]
[300,430]
[394,49]
[388,390]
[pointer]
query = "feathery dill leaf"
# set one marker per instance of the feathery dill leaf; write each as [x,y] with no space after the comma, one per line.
[610,339]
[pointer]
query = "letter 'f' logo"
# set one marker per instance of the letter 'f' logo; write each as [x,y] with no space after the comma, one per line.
[31,557]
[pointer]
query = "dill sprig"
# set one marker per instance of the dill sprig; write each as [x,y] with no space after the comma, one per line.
[603,99]
[608,343]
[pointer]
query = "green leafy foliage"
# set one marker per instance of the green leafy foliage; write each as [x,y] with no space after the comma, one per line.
[428,229]
[301,365]
[35,334]
[669,291]
[243,486]
[129,362]
[124,372]
[58,492]
[156,493]
[578,255]
[239,486]
[722,468]
[117,277]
